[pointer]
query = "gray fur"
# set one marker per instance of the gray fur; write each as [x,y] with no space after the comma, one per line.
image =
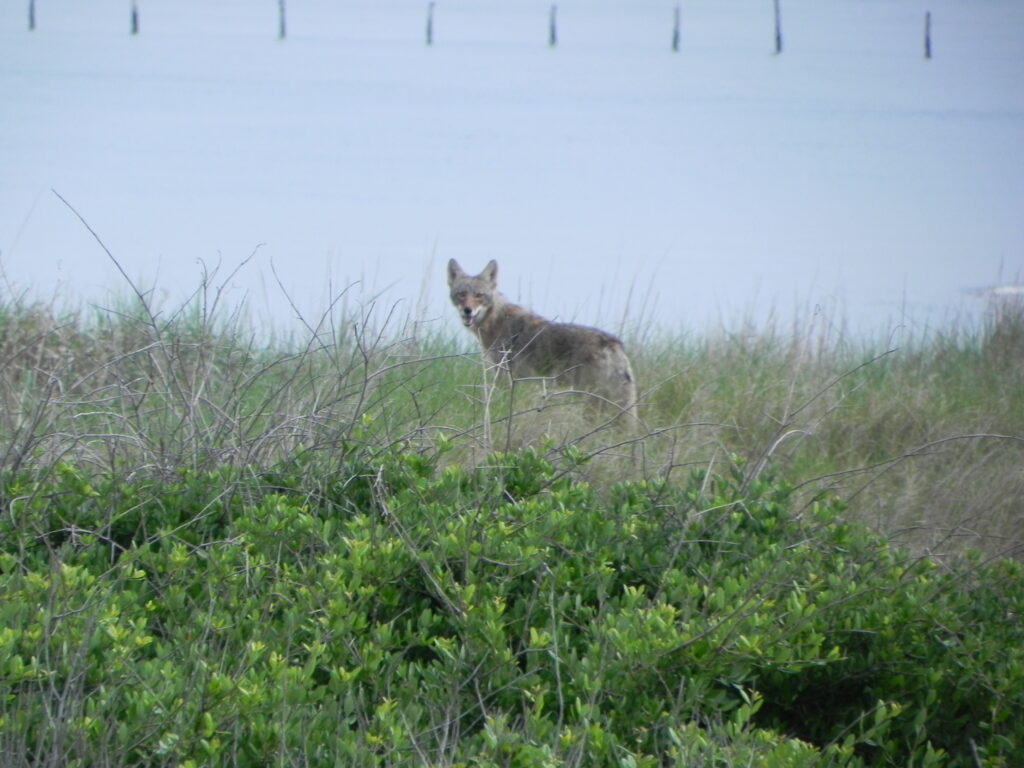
[529,346]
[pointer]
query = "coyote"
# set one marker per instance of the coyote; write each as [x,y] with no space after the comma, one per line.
[528,346]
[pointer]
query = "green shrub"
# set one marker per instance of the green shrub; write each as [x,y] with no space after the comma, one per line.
[397,613]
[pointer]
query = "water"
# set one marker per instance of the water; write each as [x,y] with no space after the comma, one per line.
[848,178]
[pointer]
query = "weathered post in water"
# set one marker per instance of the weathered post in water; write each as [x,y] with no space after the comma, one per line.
[553,27]
[928,34]
[135,18]
[281,25]
[430,23]
[675,30]
[778,27]
[31,15]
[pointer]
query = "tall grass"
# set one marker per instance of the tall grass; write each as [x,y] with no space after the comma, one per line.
[921,434]
[221,548]
[924,436]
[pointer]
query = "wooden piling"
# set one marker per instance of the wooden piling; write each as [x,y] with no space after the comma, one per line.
[928,34]
[778,27]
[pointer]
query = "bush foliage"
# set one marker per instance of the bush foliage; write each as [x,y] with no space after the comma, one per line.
[389,610]
[359,549]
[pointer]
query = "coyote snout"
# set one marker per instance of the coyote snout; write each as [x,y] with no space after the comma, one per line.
[529,346]
[472,308]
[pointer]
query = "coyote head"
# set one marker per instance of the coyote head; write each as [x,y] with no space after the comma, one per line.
[472,295]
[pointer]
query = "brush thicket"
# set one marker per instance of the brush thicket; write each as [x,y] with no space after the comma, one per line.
[924,437]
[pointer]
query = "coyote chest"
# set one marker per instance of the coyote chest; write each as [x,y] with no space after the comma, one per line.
[528,345]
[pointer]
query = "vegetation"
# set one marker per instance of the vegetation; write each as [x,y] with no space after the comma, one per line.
[360,548]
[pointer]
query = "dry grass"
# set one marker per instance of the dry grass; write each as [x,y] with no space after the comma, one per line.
[925,438]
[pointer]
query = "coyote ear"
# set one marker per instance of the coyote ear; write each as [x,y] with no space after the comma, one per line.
[454,271]
[490,273]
